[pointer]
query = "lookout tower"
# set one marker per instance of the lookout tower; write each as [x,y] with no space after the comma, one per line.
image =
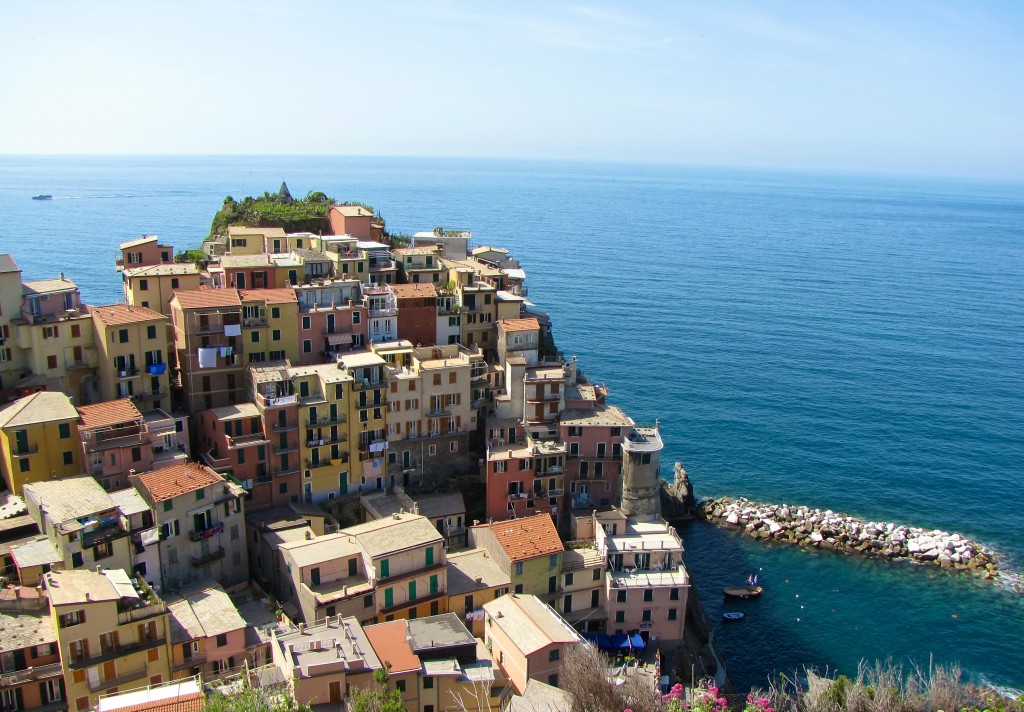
[641,455]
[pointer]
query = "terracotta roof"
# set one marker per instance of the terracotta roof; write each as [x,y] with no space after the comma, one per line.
[392,647]
[352,211]
[191,702]
[117,314]
[408,291]
[205,297]
[528,537]
[283,295]
[108,413]
[519,324]
[176,480]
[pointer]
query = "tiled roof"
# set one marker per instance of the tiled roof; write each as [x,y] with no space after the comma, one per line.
[242,261]
[352,211]
[24,631]
[176,269]
[190,702]
[47,286]
[519,324]
[310,255]
[204,297]
[108,413]
[69,498]
[528,537]
[408,291]
[465,567]
[41,407]
[381,537]
[117,314]
[529,623]
[239,230]
[233,412]
[270,296]
[390,643]
[141,241]
[176,480]
[38,552]
[205,610]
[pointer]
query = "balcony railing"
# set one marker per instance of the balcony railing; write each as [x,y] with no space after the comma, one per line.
[117,680]
[240,440]
[438,412]
[252,323]
[284,427]
[279,449]
[200,534]
[276,401]
[326,420]
[196,660]
[129,372]
[33,673]
[208,558]
[285,471]
[25,451]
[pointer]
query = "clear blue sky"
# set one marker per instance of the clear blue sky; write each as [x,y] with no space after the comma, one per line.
[906,86]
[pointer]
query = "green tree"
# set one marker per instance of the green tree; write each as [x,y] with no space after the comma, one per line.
[251,699]
[380,699]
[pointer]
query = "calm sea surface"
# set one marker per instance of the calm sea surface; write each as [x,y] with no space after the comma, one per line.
[846,342]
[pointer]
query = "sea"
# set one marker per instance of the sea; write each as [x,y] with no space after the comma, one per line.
[850,342]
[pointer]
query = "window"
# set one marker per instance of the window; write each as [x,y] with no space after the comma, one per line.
[620,616]
[648,595]
[168,505]
[307,346]
[122,336]
[597,574]
[51,362]
[355,314]
[23,464]
[519,588]
[519,568]
[620,596]
[306,324]
[646,618]
[275,335]
[254,337]
[553,680]
[72,618]
[69,458]
[453,446]
[143,284]
[222,640]
[553,655]
[201,493]
[568,579]
[368,600]
[553,561]
[673,595]
[103,550]
[672,614]
[151,331]
[174,282]
[428,683]
[50,332]
[64,430]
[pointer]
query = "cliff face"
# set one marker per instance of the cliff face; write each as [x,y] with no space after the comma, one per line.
[677,501]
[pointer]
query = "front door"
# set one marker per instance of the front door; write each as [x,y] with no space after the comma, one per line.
[335,691]
[109,670]
[240,280]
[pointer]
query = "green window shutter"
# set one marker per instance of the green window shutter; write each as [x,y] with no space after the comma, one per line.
[430,556]
[385,568]
[412,590]
[389,598]
[433,584]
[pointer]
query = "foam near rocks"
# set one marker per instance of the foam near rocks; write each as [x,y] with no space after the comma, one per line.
[825,529]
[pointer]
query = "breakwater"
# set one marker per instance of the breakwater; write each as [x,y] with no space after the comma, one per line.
[825,529]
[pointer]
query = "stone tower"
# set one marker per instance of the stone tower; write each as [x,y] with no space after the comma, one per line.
[641,455]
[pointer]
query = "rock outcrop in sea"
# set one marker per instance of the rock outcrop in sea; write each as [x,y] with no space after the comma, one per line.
[825,529]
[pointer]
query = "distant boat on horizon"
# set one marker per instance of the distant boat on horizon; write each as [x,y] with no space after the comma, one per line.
[42,197]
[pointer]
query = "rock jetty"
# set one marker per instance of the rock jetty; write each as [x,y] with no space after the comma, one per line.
[825,529]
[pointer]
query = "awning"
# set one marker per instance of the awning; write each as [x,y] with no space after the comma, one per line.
[637,642]
[339,339]
[122,584]
[620,641]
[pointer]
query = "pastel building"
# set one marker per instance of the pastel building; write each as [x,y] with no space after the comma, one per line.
[153,286]
[82,523]
[525,475]
[421,265]
[38,440]
[55,335]
[209,364]
[233,442]
[529,549]
[132,347]
[382,311]
[528,639]
[474,578]
[593,433]
[207,634]
[356,221]
[273,394]
[202,525]
[367,416]
[323,663]
[417,313]
[31,677]
[325,411]
[270,320]
[115,442]
[112,633]
[144,251]
[13,364]
[331,322]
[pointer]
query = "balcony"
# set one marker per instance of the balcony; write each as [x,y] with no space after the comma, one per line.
[129,372]
[381,313]
[200,534]
[285,427]
[254,323]
[25,451]
[102,530]
[237,441]
[149,395]
[196,660]
[378,402]
[285,471]
[122,651]
[438,412]
[326,420]
[320,442]
[284,449]
[27,675]
[276,401]
[427,598]
[322,462]
[208,558]
[117,680]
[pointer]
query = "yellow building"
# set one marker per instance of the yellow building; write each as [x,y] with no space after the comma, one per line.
[474,578]
[55,333]
[253,240]
[132,346]
[112,633]
[12,358]
[367,413]
[152,286]
[325,393]
[270,325]
[38,439]
[528,548]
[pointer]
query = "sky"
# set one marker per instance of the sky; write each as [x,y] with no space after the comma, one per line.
[915,86]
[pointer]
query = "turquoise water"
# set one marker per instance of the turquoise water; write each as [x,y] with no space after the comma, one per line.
[839,341]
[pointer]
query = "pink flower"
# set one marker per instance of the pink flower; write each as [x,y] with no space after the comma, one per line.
[722,702]
[763,702]
[713,691]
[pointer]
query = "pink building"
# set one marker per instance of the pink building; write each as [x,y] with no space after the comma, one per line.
[331,320]
[144,252]
[592,432]
[355,220]
[207,633]
[232,442]
[524,476]
[417,313]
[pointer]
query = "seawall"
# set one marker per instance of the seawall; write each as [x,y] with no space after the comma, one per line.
[825,529]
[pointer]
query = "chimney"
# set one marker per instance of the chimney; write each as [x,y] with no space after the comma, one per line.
[309,535]
[87,598]
[302,627]
[415,507]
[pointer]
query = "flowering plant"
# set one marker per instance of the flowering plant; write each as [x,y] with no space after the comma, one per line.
[704,699]
[757,704]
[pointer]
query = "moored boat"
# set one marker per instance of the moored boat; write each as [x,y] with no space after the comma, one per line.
[742,592]
[42,197]
[732,616]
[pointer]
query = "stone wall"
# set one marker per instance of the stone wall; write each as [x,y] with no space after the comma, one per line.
[819,529]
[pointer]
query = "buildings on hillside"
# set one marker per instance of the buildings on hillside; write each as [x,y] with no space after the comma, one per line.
[173,447]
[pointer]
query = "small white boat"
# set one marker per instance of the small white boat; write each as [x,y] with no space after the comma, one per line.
[732,616]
